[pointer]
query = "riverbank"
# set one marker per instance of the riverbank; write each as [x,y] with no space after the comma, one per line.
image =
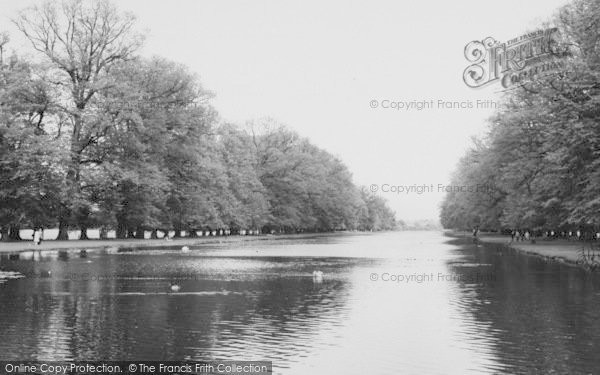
[21,246]
[559,250]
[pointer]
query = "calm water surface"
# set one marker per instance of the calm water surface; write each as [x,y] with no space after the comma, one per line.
[396,303]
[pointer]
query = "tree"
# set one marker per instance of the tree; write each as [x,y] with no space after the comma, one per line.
[248,206]
[375,215]
[543,150]
[29,157]
[94,135]
[81,42]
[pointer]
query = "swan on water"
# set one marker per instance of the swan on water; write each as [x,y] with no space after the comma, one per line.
[185,249]
[175,288]
[318,276]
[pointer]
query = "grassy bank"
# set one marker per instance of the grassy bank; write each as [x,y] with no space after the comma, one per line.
[19,246]
[559,250]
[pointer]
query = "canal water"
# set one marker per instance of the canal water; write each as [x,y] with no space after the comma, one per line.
[391,303]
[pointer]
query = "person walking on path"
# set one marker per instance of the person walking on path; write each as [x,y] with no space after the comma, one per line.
[37,236]
[475,232]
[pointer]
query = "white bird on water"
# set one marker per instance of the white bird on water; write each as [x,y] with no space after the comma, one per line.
[185,249]
[318,276]
[175,288]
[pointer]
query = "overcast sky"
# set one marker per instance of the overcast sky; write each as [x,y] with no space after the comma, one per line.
[317,65]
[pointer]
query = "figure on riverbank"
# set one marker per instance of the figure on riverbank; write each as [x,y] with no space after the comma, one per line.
[37,236]
[475,233]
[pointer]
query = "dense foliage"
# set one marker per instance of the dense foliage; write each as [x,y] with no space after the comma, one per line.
[93,135]
[539,166]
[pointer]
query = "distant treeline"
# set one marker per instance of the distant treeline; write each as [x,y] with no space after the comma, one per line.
[93,135]
[538,168]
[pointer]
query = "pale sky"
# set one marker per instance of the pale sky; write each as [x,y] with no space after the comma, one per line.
[316,66]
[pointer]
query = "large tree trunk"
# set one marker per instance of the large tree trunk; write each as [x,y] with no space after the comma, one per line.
[83,235]
[4,230]
[192,233]
[139,233]
[14,234]
[121,229]
[154,234]
[73,177]
[63,230]
[103,233]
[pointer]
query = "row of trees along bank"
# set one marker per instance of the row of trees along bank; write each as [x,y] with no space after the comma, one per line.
[540,161]
[94,135]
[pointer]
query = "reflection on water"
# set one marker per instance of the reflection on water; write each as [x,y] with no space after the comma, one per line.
[543,317]
[452,307]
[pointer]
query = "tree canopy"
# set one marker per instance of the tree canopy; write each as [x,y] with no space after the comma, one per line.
[540,161]
[94,135]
